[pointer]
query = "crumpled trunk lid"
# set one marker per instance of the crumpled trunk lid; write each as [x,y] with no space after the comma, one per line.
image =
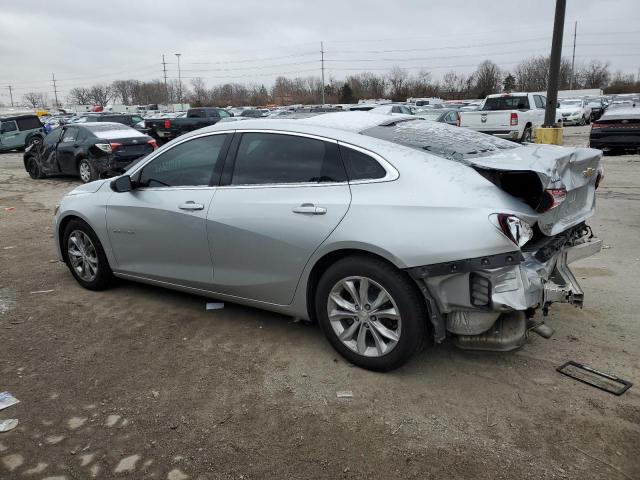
[575,169]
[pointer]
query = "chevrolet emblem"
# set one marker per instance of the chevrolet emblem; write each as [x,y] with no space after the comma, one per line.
[589,172]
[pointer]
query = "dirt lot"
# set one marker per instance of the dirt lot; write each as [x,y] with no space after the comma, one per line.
[141,382]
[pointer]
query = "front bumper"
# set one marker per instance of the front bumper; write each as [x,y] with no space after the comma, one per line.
[471,301]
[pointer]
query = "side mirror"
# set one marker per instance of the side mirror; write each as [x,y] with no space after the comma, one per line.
[121,184]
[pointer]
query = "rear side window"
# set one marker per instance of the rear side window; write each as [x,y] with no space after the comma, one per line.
[268,158]
[538,100]
[8,126]
[29,123]
[189,164]
[70,134]
[223,113]
[360,166]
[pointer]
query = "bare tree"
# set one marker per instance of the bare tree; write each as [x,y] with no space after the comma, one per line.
[594,75]
[487,79]
[34,99]
[398,78]
[79,96]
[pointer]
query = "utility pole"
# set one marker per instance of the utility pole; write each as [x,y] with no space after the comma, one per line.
[164,69]
[55,90]
[11,94]
[573,57]
[322,67]
[554,64]
[179,81]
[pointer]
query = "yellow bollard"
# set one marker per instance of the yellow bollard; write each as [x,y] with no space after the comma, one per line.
[549,135]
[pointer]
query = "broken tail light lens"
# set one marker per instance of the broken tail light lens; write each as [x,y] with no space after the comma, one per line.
[551,198]
[108,147]
[515,229]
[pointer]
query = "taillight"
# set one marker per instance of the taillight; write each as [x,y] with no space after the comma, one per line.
[115,146]
[153,144]
[551,198]
[516,230]
[457,119]
[596,125]
[167,124]
[105,147]
[514,119]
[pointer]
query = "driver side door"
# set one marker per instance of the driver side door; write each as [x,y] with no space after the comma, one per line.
[158,230]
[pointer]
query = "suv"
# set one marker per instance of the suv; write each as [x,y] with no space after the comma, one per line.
[19,132]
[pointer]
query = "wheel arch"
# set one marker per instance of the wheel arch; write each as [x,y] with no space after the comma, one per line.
[329,258]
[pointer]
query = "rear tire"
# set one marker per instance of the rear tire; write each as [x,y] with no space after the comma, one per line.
[583,121]
[86,171]
[526,135]
[85,257]
[368,335]
[33,168]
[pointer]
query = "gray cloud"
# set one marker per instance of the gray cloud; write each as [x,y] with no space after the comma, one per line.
[252,41]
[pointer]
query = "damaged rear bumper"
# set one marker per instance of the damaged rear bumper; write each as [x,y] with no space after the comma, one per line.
[471,295]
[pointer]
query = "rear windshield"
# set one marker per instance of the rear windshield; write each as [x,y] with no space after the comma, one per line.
[29,123]
[440,139]
[506,103]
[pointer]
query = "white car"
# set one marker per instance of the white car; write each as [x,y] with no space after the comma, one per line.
[393,109]
[575,111]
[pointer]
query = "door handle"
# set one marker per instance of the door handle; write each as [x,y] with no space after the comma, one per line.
[310,208]
[190,205]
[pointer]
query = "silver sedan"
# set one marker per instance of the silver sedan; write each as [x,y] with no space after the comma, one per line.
[386,230]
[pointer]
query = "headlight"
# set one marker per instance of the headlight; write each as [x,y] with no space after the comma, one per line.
[516,230]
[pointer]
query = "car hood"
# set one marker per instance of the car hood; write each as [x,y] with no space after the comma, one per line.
[570,110]
[90,187]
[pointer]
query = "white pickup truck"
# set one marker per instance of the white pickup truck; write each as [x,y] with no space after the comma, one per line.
[513,116]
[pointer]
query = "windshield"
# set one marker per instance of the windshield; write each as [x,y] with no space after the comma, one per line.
[571,103]
[440,139]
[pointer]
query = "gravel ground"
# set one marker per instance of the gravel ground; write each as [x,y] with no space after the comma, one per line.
[140,382]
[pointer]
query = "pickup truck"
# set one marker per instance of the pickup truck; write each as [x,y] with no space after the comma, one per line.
[165,129]
[513,116]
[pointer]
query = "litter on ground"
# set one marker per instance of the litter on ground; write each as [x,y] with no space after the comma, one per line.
[6,400]
[9,424]
[215,305]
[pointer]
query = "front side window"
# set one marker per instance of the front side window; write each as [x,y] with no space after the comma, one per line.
[9,126]
[538,101]
[189,164]
[268,158]
[53,137]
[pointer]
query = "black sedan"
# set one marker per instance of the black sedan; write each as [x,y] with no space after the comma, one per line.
[617,131]
[87,150]
[443,115]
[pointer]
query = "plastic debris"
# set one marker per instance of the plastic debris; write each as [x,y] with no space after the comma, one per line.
[9,209]
[9,424]
[344,394]
[215,305]
[6,400]
[43,291]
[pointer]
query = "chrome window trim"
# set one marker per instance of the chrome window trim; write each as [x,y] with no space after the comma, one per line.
[286,132]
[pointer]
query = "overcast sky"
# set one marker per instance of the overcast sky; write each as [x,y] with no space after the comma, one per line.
[252,41]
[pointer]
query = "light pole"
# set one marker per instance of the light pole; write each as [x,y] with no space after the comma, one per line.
[179,81]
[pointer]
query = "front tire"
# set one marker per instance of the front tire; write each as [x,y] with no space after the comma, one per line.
[85,257]
[583,121]
[526,135]
[86,171]
[371,312]
[33,168]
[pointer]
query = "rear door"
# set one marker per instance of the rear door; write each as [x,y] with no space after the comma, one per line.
[158,230]
[281,198]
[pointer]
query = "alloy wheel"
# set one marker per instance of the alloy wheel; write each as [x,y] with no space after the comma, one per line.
[82,255]
[85,172]
[364,316]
